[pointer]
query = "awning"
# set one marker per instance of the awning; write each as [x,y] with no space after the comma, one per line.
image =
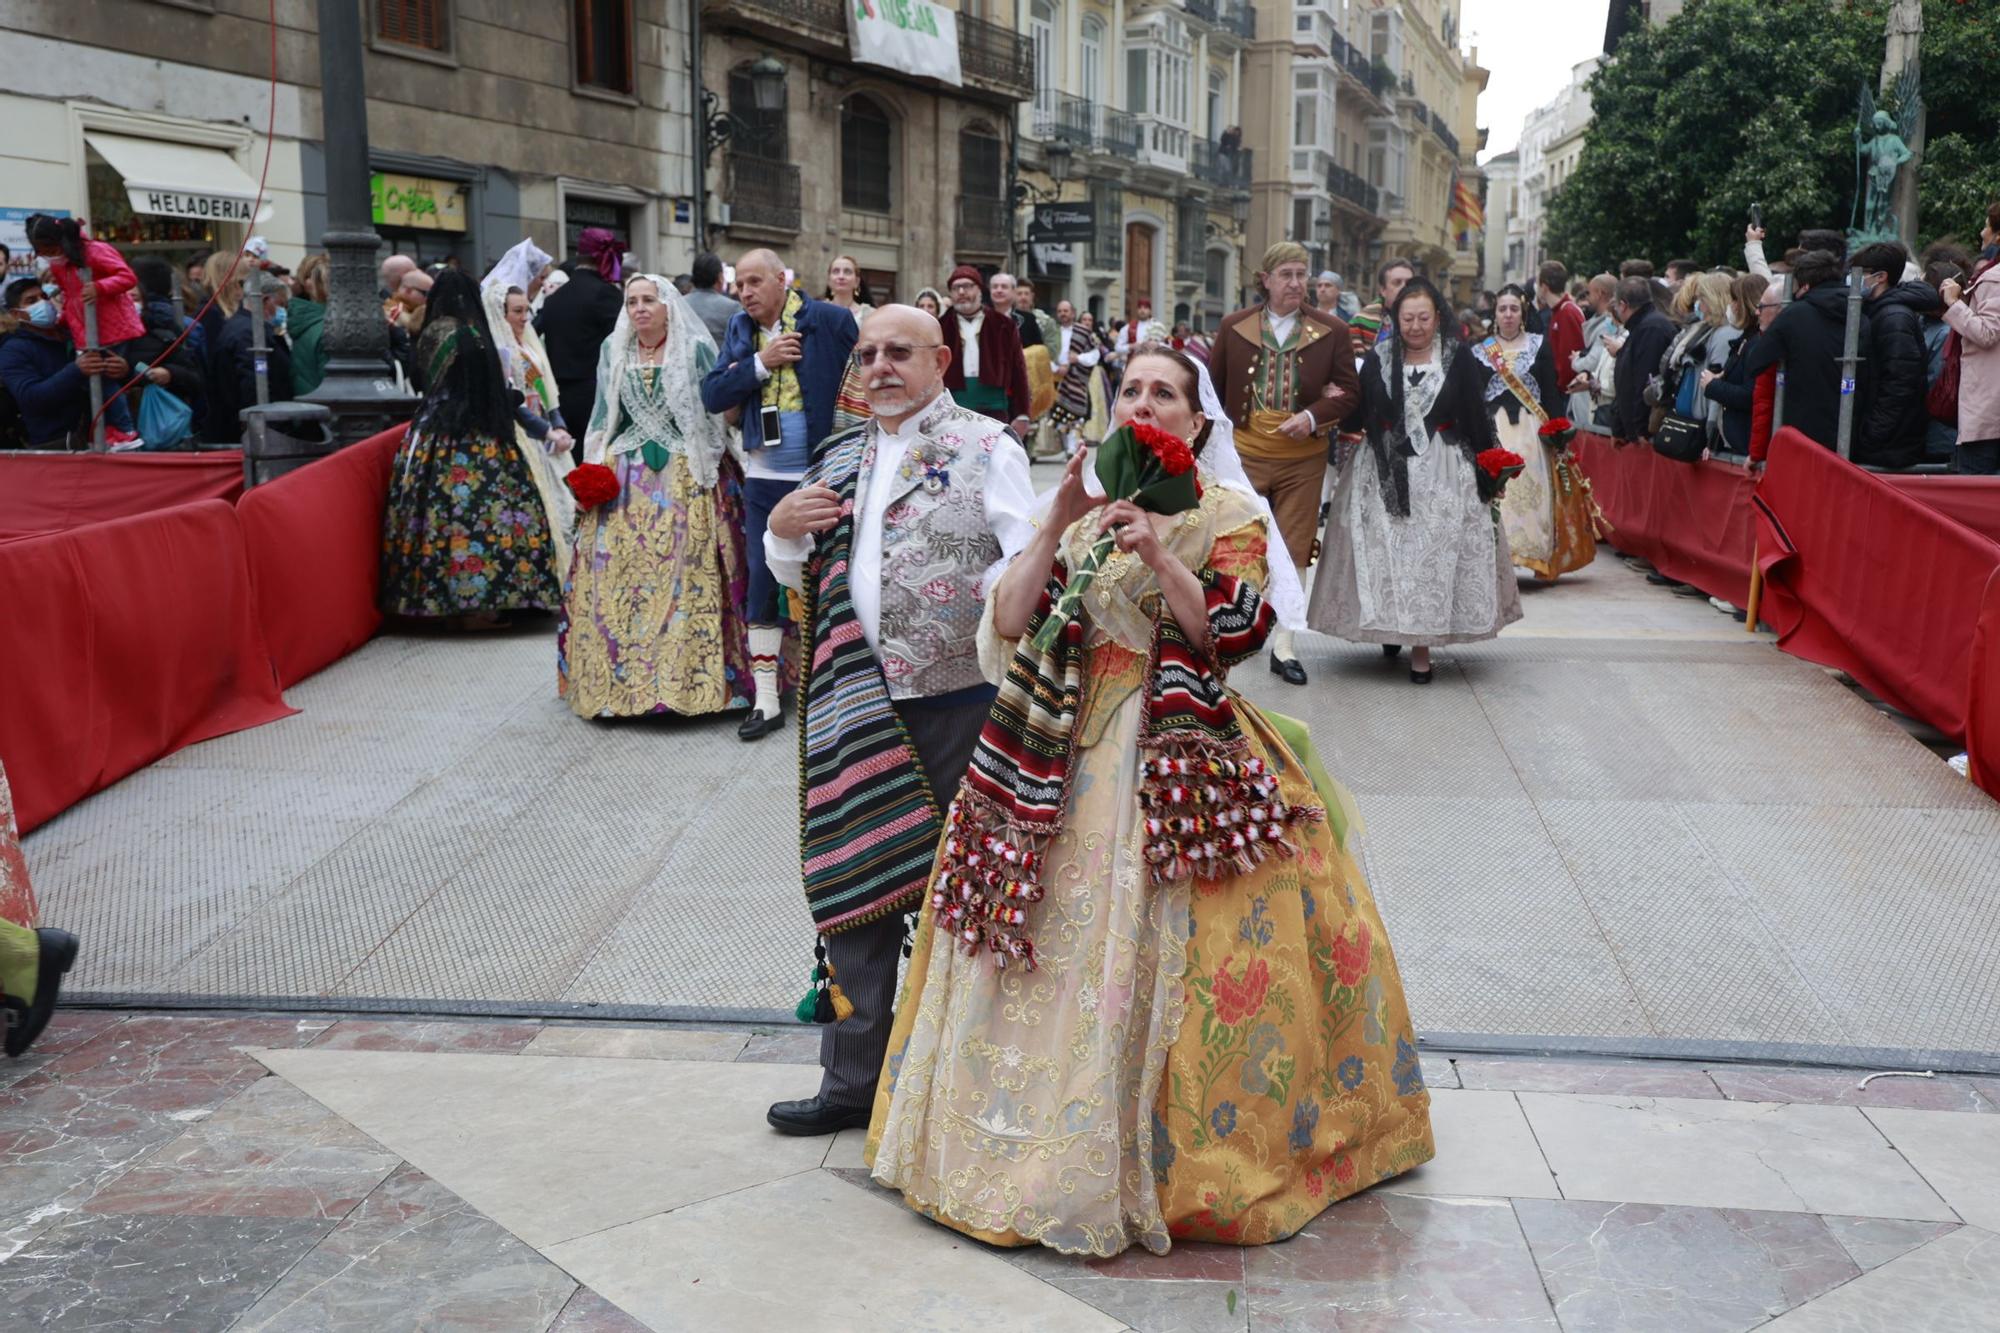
[180,180]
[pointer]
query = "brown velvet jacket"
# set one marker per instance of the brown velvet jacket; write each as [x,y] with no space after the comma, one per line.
[1328,383]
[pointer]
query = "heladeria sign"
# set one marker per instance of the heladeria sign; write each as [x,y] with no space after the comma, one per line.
[913,36]
[181,204]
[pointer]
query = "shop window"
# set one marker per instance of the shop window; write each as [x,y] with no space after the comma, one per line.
[424,24]
[604,44]
[867,141]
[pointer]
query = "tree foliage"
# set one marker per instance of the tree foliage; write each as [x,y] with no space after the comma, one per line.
[1735,102]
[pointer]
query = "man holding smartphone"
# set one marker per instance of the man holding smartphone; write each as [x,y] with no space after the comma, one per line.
[777,377]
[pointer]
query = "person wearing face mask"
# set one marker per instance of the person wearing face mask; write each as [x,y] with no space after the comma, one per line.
[1047,1016]
[49,380]
[653,614]
[1413,555]
[1546,510]
[988,371]
[1890,433]
[1286,375]
[892,539]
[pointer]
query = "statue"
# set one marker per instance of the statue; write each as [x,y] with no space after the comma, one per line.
[1881,147]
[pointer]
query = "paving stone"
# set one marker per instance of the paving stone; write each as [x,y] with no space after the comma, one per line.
[1624,1078]
[99,1272]
[1649,1268]
[415,1255]
[67,1030]
[647,1043]
[365,1034]
[1164,1306]
[785,1046]
[588,1312]
[1820,1087]
[1874,1241]
[1484,1148]
[1951,1283]
[1440,1071]
[1958,1154]
[1381,1261]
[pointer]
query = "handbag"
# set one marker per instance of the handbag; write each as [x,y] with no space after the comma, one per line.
[1681,438]
[1942,399]
[164,421]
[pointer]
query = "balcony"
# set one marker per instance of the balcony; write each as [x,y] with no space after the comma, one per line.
[1344,184]
[1238,18]
[823,21]
[999,58]
[1368,74]
[763,195]
[1224,169]
[1443,133]
[1162,144]
[984,226]
[1203,11]
[1117,133]
[1060,118]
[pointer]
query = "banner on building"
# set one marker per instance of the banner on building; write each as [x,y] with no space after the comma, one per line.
[912,36]
[1062,223]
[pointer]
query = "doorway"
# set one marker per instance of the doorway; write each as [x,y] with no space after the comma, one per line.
[1138,267]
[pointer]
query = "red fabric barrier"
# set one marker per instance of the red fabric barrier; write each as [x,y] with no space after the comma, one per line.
[314,543]
[1690,521]
[1861,576]
[1973,501]
[125,641]
[1982,714]
[57,492]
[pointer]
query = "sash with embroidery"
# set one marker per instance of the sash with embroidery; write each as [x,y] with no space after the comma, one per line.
[869,825]
[1503,367]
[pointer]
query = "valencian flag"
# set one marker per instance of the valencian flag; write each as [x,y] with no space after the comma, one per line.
[1467,213]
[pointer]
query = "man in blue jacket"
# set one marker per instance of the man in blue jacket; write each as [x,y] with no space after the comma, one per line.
[49,382]
[778,377]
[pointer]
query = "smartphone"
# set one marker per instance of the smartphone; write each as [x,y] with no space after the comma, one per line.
[1757,216]
[773,429]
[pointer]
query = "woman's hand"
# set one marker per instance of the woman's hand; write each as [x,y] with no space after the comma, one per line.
[1072,501]
[559,441]
[89,293]
[1951,291]
[1135,532]
[1708,377]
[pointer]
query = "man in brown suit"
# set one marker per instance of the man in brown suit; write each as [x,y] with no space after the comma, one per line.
[1285,372]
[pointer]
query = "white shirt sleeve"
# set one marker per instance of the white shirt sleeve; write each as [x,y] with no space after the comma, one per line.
[757,364]
[1010,505]
[787,559]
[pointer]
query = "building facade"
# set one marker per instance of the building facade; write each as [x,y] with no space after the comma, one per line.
[903,172]
[488,121]
[1501,252]
[1551,144]
[1137,107]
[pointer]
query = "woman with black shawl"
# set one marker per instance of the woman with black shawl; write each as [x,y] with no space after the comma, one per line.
[1412,552]
[465,534]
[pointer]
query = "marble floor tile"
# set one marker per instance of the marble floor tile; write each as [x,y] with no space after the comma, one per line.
[1720,1154]
[270,1151]
[787,1046]
[1651,1268]
[710,1266]
[588,1312]
[414,1255]
[69,1029]
[557,1146]
[1874,1241]
[1953,1283]
[1958,1154]
[1164,1307]
[367,1034]
[1618,1078]
[140,1272]
[845,1148]
[649,1043]
[1397,1261]
[1440,1071]
[163,1049]
[1484,1147]
[1841,1087]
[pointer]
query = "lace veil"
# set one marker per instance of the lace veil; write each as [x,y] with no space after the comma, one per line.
[518,268]
[689,353]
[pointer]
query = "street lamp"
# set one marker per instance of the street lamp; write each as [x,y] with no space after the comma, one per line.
[1059,157]
[1239,208]
[767,95]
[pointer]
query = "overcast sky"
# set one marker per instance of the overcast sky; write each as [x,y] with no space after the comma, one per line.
[1529,45]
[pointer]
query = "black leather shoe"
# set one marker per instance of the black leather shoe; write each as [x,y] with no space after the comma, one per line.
[1391,649]
[813,1116]
[1289,668]
[25,1022]
[1662,581]
[1420,677]
[759,725]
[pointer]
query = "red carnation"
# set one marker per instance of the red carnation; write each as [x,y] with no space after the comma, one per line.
[1555,426]
[592,484]
[1171,450]
[1497,462]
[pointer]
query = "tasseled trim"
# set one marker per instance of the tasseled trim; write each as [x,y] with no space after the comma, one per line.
[989,873]
[1209,815]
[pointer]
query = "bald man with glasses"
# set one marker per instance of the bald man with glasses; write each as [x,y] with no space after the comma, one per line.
[892,540]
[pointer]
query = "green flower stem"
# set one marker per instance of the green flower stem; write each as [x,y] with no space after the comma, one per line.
[1079,583]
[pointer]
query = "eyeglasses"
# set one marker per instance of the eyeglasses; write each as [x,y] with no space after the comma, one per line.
[898,354]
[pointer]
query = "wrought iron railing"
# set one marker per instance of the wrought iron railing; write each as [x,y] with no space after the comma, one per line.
[984,225]
[1200,9]
[763,193]
[1238,18]
[996,56]
[1348,185]
[1228,168]
[1442,131]
[825,19]
[1062,118]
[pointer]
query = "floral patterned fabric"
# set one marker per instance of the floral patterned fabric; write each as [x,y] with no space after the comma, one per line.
[465,530]
[1216,1064]
[653,614]
[17,896]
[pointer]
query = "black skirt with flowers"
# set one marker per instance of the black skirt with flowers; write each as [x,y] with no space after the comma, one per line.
[465,531]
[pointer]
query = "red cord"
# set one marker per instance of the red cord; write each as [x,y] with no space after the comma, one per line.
[270,130]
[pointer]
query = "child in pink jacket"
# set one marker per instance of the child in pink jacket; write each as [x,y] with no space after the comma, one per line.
[61,241]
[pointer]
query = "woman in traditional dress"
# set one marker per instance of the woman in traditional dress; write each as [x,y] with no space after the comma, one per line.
[846,288]
[653,616]
[1145,1051]
[1412,552]
[930,302]
[465,534]
[1546,509]
[540,431]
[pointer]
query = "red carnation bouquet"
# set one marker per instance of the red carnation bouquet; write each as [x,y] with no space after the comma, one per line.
[592,484]
[1143,464]
[1557,432]
[1496,468]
